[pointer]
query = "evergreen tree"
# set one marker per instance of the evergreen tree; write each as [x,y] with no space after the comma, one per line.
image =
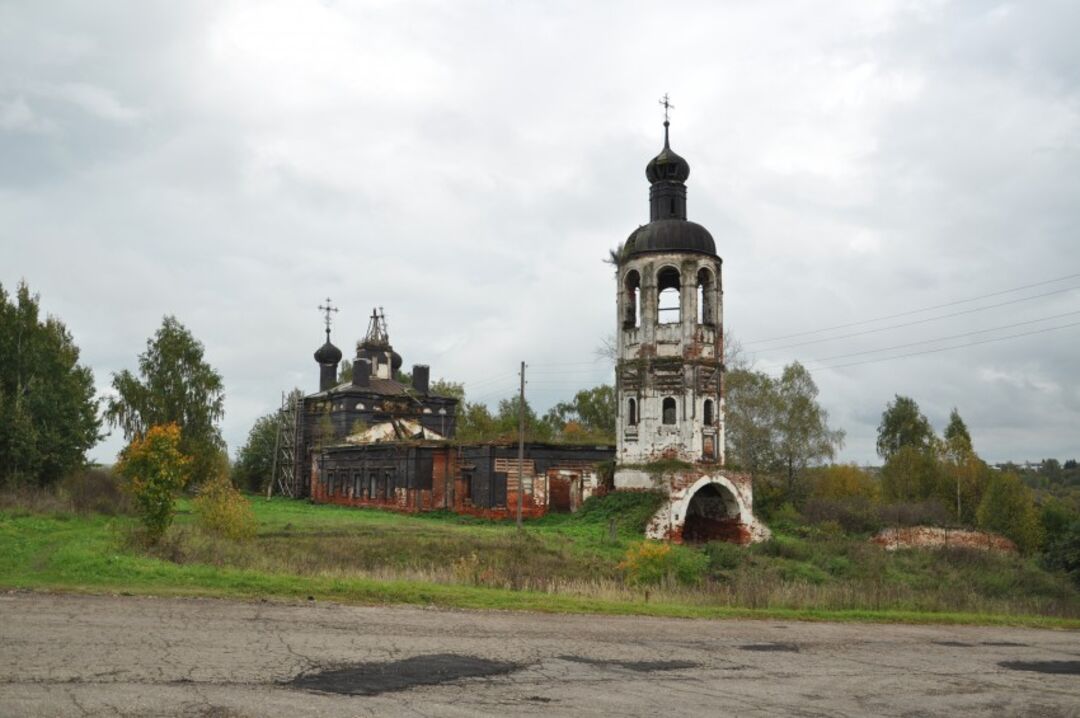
[48,410]
[176,385]
[255,460]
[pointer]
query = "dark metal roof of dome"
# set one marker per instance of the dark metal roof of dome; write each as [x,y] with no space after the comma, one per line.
[667,166]
[328,353]
[670,235]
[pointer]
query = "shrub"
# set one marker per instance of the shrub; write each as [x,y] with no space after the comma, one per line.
[650,563]
[915,513]
[96,491]
[843,481]
[723,555]
[223,510]
[1007,508]
[854,514]
[155,470]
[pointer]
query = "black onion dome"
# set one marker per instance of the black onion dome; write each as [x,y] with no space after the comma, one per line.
[667,166]
[328,354]
[670,235]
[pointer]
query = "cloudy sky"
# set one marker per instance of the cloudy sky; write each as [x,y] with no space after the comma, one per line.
[904,175]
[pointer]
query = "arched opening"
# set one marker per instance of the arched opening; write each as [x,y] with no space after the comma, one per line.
[668,301]
[705,292]
[669,410]
[631,412]
[713,515]
[707,413]
[632,300]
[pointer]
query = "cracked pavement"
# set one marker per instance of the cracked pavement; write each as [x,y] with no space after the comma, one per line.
[67,655]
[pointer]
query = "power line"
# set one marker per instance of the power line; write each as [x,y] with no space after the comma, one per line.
[914,311]
[939,339]
[959,346]
[920,321]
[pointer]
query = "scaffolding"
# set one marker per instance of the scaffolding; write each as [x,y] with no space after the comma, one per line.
[285,479]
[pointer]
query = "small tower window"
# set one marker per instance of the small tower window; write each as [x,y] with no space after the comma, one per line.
[707,413]
[668,285]
[632,299]
[705,293]
[669,410]
[631,412]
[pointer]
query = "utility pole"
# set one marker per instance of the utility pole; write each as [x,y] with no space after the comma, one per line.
[521,446]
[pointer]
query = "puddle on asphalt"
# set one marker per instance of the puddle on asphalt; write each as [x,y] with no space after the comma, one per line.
[1063,668]
[639,666]
[779,647]
[373,678]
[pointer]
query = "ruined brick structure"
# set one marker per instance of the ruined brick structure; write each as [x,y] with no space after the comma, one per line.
[669,373]
[374,441]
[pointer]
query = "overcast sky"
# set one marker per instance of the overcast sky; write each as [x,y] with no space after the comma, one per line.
[467,166]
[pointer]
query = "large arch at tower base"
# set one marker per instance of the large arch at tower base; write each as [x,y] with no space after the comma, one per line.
[711,508]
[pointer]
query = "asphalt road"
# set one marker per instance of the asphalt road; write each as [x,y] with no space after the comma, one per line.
[90,656]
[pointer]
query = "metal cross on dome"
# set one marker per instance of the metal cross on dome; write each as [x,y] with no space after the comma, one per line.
[667,105]
[327,310]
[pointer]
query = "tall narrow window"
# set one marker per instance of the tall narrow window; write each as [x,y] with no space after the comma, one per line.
[705,294]
[632,300]
[669,410]
[669,301]
[631,412]
[707,414]
[330,483]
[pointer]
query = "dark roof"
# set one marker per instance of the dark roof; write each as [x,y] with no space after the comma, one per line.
[328,353]
[667,166]
[381,387]
[670,235]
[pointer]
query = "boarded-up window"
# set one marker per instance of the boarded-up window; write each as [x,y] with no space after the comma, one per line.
[425,470]
[498,489]
[371,485]
[481,494]
[330,483]
[357,480]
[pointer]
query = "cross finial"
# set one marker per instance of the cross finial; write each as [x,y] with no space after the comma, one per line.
[328,309]
[667,106]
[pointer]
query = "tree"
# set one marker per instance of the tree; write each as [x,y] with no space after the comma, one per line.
[777,425]
[750,427]
[155,469]
[48,410]
[591,415]
[957,439]
[255,460]
[803,433]
[344,372]
[912,474]
[1007,508]
[902,424]
[176,386]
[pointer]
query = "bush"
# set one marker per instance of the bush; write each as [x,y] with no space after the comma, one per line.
[915,513]
[1008,509]
[155,470]
[854,514]
[97,491]
[650,563]
[723,555]
[223,510]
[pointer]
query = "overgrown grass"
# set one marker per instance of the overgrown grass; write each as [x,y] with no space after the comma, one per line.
[559,563]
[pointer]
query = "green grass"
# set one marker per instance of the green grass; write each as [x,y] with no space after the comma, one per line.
[562,563]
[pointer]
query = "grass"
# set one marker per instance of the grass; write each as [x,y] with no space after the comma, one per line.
[561,563]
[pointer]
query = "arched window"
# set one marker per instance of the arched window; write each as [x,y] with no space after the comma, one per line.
[705,292]
[669,410]
[707,413]
[632,301]
[668,300]
[631,412]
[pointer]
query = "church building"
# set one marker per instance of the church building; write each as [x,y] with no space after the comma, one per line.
[372,440]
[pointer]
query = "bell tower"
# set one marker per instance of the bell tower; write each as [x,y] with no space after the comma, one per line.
[669,369]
